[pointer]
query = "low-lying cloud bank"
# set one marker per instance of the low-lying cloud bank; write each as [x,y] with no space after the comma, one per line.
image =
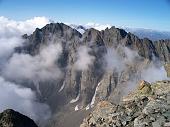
[11,32]
[14,96]
[41,67]
[23,66]
[11,28]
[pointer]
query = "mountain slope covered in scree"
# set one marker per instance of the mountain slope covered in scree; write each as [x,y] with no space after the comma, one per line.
[148,105]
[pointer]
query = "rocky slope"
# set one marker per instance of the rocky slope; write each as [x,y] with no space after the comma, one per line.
[11,118]
[147,106]
[83,87]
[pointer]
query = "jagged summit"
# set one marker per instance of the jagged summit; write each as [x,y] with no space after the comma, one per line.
[99,42]
[59,27]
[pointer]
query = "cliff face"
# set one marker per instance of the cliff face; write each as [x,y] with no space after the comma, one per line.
[108,38]
[148,105]
[11,118]
[84,87]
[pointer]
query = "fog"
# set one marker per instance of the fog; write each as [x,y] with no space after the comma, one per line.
[14,95]
[122,59]
[41,67]
[84,59]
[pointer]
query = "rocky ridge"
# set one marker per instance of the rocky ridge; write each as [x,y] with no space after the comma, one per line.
[147,106]
[11,118]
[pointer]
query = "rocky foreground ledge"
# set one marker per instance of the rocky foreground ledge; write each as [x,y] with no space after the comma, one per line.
[147,106]
[11,118]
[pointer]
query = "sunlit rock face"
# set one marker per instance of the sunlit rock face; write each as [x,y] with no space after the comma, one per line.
[167,67]
[148,105]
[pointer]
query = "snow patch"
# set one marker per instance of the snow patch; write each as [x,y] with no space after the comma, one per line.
[88,107]
[76,108]
[81,31]
[62,87]
[75,100]
[93,99]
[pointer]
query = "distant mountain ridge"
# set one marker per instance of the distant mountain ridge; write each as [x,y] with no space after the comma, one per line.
[153,35]
[148,33]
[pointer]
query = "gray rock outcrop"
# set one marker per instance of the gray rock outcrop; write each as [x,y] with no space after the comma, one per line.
[11,118]
[148,105]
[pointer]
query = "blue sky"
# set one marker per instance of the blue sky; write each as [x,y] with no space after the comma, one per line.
[152,14]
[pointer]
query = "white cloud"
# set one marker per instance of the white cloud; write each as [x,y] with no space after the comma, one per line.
[10,28]
[41,67]
[153,73]
[22,66]
[113,60]
[84,59]
[97,26]
[118,58]
[121,58]
[10,37]
[23,100]
[11,31]
[130,55]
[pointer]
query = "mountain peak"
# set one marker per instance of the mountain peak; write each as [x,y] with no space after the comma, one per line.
[59,27]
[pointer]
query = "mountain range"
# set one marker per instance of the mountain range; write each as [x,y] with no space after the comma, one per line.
[153,35]
[72,71]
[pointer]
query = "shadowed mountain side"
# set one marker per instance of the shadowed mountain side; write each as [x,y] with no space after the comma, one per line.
[11,118]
